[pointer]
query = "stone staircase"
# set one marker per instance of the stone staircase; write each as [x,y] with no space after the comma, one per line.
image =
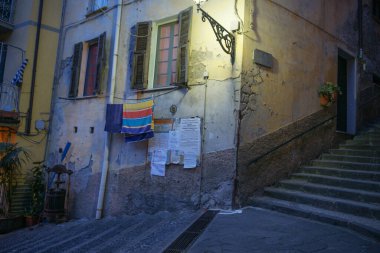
[341,187]
[21,195]
[139,233]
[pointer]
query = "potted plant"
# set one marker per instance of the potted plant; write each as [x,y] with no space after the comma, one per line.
[328,93]
[33,214]
[11,161]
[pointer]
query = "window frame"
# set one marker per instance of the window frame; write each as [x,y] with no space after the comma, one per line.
[150,54]
[79,68]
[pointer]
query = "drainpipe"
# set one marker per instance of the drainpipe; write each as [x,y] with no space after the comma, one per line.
[360,28]
[110,100]
[56,77]
[33,83]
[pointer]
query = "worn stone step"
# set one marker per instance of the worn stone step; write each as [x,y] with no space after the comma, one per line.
[346,158]
[353,152]
[43,231]
[354,174]
[366,137]
[346,165]
[360,147]
[362,225]
[331,191]
[330,203]
[338,181]
[110,229]
[363,142]
[54,238]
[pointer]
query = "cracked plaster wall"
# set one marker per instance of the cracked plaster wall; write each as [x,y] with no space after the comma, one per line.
[130,188]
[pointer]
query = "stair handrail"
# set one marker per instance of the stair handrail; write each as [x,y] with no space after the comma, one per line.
[290,140]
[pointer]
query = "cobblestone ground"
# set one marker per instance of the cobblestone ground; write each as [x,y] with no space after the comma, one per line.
[263,231]
[140,233]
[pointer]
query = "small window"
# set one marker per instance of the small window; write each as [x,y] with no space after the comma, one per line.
[376,79]
[376,9]
[159,52]
[95,5]
[88,56]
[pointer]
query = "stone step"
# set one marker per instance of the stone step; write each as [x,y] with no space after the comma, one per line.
[331,191]
[346,158]
[329,203]
[363,142]
[346,165]
[129,237]
[34,245]
[353,152]
[110,229]
[364,226]
[353,174]
[338,181]
[42,232]
[364,137]
[360,147]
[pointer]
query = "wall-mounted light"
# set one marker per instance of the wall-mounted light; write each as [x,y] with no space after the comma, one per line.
[223,36]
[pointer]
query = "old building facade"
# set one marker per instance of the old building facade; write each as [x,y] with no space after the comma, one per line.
[29,32]
[256,113]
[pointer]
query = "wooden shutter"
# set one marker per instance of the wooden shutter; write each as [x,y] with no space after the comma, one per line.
[100,61]
[184,18]
[75,69]
[141,56]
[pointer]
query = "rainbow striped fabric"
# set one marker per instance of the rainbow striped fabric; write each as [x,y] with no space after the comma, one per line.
[138,118]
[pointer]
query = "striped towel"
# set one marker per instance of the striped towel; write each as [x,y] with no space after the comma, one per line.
[18,78]
[138,117]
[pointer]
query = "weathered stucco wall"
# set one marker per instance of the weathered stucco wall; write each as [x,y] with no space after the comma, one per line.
[130,187]
[278,104]
[369,94]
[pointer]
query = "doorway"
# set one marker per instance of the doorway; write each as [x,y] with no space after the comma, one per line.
[346,104]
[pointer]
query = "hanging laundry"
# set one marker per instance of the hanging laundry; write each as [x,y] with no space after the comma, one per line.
[138,118]
[114,118]
[139,137]
[18,78]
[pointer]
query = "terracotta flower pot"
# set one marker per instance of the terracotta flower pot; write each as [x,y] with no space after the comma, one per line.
[31,220]
[324,100]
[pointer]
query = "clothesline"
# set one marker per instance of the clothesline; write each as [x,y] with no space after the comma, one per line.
[155,96]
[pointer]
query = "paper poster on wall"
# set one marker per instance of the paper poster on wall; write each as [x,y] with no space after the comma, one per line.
[190,137]
[189,161]
[159,159]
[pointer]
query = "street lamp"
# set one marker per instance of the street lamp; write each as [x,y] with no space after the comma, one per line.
[223,36]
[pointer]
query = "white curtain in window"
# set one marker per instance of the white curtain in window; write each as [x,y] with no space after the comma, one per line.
[97,4]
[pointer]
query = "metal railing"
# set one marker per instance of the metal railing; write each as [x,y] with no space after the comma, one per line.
[9,97]
[6,11]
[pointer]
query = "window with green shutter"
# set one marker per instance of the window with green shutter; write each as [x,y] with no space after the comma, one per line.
[88,56]
[160,55]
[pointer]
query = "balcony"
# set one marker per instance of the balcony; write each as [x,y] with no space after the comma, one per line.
[9,101]
[6,15]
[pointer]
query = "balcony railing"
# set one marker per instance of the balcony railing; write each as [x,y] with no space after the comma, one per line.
[9,101]
[6,11]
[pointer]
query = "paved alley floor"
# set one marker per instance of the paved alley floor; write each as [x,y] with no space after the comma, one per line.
[259,230]
[251,230]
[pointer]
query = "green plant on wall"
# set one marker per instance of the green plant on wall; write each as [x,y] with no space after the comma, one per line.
[328,93]
[11,161]
[38,190]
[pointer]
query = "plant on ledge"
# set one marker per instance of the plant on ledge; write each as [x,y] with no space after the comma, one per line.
[328,93]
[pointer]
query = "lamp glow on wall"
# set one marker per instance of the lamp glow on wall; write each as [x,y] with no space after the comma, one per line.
[225,38]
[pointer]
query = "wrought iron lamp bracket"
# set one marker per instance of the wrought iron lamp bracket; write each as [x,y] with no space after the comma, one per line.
[223,36]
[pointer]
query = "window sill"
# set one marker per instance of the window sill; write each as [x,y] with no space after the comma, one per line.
[81,98]
[97,11]
[174,87]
